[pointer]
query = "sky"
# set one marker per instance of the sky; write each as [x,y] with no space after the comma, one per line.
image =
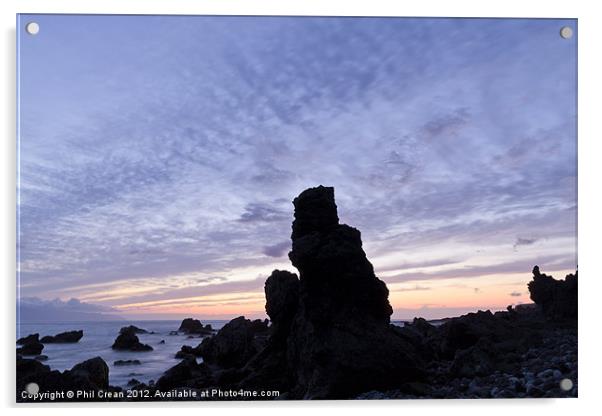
[158,157]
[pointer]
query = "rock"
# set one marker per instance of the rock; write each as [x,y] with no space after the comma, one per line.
[341,343]
[194,326]
[173,333]
[162,341]
[93,374]
[188,373]
[534,391]
[63,337]
[187,351]
[477,360]
[282,297]
[128,341]
[133,329]
[31,348]
[89,375]
[133,382]
[126,362]
[557,298]
[28,339]
[235,343]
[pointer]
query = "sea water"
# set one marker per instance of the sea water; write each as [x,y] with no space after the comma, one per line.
[98,338]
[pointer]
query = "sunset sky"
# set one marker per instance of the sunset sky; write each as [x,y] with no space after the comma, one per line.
[158,157]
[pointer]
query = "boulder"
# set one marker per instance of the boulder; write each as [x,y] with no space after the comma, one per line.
[188,373]
[235,343]
[120,363]
[128,341]
[282,299]
[194,326]
[63,337]
[28,339]
[31,348]
[557,298]
[133,329]
[91,374]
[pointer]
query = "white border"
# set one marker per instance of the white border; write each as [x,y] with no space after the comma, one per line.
[590,209]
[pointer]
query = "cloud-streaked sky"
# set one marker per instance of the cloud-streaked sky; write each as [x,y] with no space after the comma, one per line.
[159,156]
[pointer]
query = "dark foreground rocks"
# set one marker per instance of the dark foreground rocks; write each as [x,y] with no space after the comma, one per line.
[557,298]
[507,355]
[30,345]
[127,340]
[29,339]
[63,337]
[91,375]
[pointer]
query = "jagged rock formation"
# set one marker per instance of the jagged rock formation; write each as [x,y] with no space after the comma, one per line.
[89,375]
[194,326]
[134,329]
[127,340]
[557,298]
[234,344]
[30,345]
[341,342]
[28,339]
[63,337]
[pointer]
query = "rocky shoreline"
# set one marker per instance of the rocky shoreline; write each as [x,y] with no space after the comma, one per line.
[330,337]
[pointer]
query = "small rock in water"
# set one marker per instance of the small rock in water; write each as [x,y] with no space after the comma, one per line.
[126,362]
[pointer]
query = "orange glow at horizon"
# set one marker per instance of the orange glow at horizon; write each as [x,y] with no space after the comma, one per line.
[493,292]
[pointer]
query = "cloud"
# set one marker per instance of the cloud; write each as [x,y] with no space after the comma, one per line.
[411,289]
[520,241]
[520,266]
[258,212]
[33,309]
[277,250]
[515,294]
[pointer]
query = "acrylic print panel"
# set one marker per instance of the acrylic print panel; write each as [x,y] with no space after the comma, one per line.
[192,191]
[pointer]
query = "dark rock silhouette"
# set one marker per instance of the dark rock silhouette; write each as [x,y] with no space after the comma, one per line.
[89,375]
[28,339]
[282,301]
[336,277]
[127,340]
[235,343]
[126,362]
[188,373]
[557,298]
[30,345]
[340,342]
[63,337]
[133,329]
[194,326]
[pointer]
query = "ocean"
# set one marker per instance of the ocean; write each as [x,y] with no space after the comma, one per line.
[98,338]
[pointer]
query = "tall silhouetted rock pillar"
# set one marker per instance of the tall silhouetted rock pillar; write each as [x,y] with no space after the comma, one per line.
[340,343]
